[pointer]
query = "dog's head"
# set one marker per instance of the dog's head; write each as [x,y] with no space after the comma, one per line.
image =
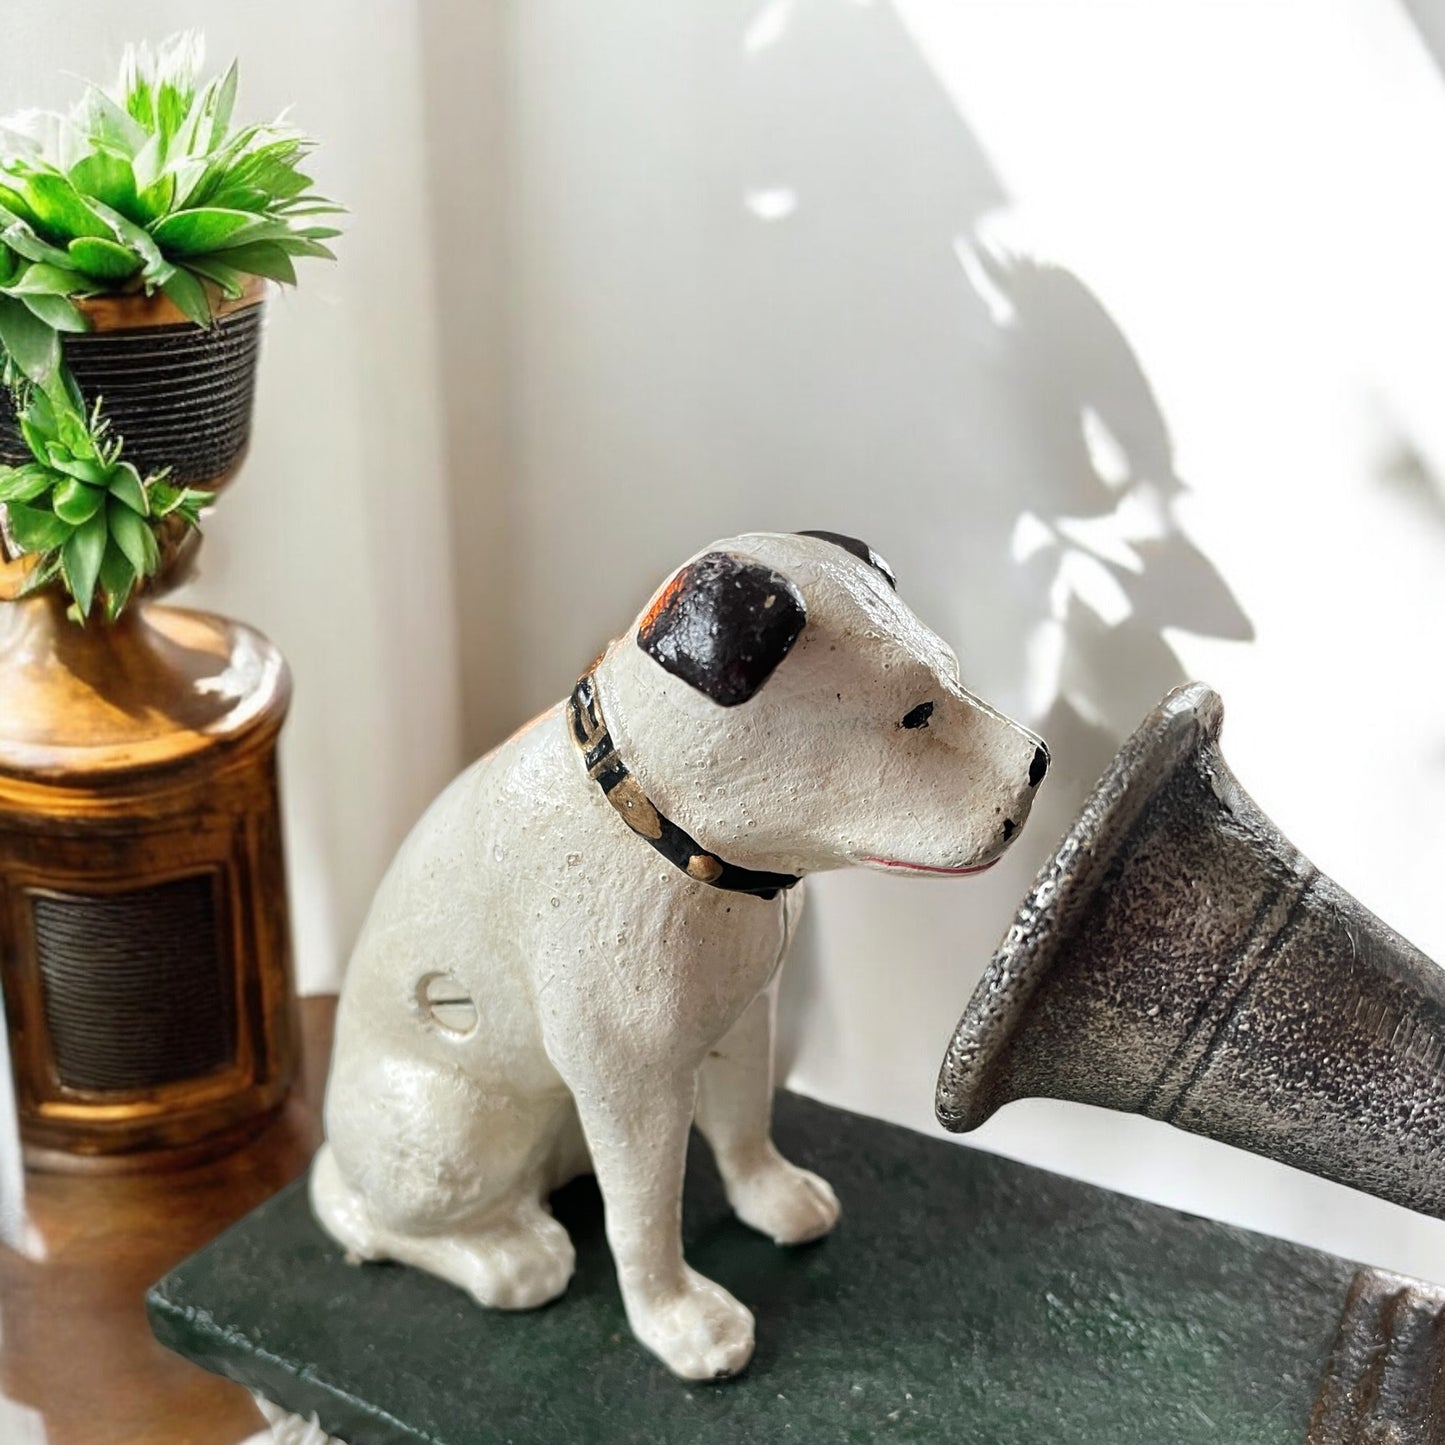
[779,700]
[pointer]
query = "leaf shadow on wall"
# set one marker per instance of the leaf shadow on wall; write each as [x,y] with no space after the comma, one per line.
[1108,570]
[972,409]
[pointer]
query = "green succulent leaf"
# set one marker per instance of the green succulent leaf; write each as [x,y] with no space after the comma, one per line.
[158,197]
[231,281]
[21,239]
[265,258]
[102,260]
[302,246]
[209,228]
[56,312]
[24,484]
[80,468]
[135,82]
[36,529]
[188,502]
[221,103]
[44,289]
[220,184]
[164,498]
[41,576]
[72,427]
[126,486]
[75,502]
[105,176]
[32,345]
[34,433]
[173,105]
[134,538]
[107,124]
[149,164]
[44,280]
[61,394]
[80,558]
[117,580]
[137,238]
[270,166]
[16,204]
[189,295]
[59,208]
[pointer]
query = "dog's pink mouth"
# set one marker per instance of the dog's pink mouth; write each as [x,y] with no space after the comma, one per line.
[903,867]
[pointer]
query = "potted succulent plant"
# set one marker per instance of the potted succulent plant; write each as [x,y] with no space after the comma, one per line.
[144,943]
[137,235]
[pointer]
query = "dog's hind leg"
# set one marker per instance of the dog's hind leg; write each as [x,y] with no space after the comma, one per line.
[517,1259]
[425,1166]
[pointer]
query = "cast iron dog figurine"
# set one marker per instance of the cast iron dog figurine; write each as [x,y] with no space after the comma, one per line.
[575,954]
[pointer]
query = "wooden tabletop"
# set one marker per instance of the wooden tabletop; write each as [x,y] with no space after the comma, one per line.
[78,1364]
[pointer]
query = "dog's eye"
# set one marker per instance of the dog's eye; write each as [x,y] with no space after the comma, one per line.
[917,717]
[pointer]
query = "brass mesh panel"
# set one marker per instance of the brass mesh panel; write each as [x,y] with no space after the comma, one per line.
[136,985]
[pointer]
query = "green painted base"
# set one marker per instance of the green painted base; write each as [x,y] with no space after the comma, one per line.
[963,1298]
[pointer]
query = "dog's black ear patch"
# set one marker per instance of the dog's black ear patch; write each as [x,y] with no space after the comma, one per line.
[861,550]
[722,625]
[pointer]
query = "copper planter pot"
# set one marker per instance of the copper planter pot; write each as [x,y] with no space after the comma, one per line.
[180,394]
[1178,957]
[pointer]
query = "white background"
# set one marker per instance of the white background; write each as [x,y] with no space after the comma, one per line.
[1115,326]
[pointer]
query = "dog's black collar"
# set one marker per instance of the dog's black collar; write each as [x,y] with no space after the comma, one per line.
[624,792]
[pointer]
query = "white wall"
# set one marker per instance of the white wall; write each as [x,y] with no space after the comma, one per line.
[947,276]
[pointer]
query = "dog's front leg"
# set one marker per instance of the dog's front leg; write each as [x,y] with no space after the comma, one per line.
[637,1126]
[734,1113]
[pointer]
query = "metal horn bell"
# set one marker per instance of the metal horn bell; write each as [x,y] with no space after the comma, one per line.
[1179,957]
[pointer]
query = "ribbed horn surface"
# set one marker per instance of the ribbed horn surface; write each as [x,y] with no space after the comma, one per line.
[1178,957]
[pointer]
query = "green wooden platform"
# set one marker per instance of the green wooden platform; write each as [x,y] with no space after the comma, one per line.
[963,1298]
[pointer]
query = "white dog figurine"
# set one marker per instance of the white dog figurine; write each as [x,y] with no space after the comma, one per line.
[575,954]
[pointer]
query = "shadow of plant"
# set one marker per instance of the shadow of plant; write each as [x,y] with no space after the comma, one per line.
[920,379]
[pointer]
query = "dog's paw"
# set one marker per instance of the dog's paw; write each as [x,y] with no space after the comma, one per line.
[790,1205]
[700,1332]
[519,1265]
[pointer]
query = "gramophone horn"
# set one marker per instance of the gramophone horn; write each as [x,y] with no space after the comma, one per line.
[1179,957]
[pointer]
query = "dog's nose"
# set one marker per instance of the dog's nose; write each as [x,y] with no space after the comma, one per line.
[1039,766]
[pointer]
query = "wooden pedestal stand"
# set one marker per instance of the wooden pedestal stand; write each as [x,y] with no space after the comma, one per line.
[144,935]
[144,939]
